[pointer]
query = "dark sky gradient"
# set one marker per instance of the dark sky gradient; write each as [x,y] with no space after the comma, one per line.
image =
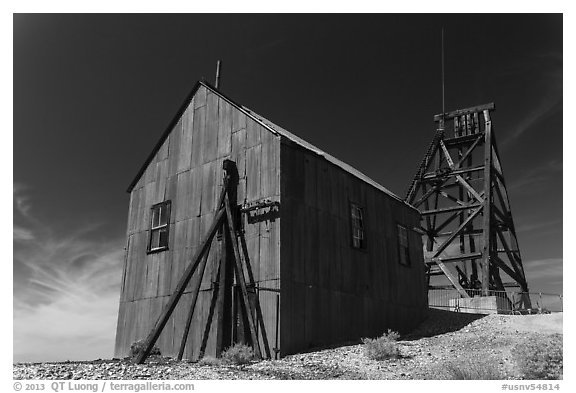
[93,93]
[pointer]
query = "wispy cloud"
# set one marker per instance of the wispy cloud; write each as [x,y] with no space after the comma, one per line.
[547,78]
[544,275]
[538,175]
[66,291]
[548,105]
[22,234]
[539,225]
[21,201]
[266,46]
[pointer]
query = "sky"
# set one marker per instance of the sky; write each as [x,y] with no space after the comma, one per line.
[92,93]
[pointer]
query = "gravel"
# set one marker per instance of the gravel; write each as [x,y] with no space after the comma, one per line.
[444,338]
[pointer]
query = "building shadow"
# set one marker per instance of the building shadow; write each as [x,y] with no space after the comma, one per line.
[440,322]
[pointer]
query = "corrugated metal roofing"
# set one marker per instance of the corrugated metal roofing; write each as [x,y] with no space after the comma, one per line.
[353,171]
[273,128]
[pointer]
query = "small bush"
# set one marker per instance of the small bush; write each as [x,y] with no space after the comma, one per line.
[540,357]
[238,354]
[139,346]
[209,361]
[384,347]
[482,370]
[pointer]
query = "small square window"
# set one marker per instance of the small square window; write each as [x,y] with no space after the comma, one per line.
[358,234]
[159,227]
[403,250]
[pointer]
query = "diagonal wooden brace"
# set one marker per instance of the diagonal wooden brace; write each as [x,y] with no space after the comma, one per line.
[195,293]
[240,277]
[171,305]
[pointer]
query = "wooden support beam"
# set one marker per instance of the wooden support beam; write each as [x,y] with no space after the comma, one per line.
[240,277]
[435,218]
[469,151]
[426,195]
[195,293]
[470,189]
[452,198]
[479,108]
[434,176]
[171,305]
[460,140]
[459,178]
[498,175]
[503,201]
[462,276]
[196,290]
[450,209]
[499,214]
[221,299]
[458,258]
[500,263]
[457,231]
[453,279]
[447,155]
[487,204]
[429,240]
[464,232]
[448,221]
[511,257]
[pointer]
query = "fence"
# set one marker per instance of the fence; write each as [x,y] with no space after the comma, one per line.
[504,302]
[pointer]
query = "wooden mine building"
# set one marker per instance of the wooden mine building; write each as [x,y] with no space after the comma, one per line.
[328,254]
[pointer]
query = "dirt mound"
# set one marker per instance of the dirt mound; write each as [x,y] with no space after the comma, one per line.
[442,339]
[541,323]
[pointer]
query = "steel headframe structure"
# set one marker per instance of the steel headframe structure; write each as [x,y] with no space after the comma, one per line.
[467,224]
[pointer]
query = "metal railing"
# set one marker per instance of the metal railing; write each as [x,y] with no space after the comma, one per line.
[506,302]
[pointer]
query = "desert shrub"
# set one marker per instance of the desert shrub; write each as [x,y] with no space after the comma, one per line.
[238,354]
[139,346]
[540,357]
[479,370]
[384,347]
[209,361]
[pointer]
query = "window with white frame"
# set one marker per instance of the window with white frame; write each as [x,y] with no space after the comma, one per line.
[403,250]
[159,227]
[358,233]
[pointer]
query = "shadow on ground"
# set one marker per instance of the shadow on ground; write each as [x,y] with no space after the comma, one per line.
[441,322]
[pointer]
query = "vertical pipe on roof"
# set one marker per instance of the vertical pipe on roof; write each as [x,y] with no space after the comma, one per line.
[218,66]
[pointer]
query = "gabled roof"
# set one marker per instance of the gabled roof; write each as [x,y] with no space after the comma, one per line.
[275,129]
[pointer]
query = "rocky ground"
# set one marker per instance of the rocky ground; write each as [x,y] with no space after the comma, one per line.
[443,339]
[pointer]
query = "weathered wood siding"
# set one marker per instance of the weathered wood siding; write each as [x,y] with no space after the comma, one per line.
[187,170]
[332,292]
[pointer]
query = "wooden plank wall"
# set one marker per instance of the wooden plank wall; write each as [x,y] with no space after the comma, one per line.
[331,292]
[187,170]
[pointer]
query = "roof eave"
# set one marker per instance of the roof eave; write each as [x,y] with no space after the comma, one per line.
[165,134]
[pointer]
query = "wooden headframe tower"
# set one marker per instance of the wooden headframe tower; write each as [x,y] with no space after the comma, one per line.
[467,226]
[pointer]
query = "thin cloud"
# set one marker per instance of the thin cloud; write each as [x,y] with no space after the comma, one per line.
[547,73]
[549,105]
[66,292]
[545,267]
[21,201]
[540,225]
[66,329]
[64,312]
[537,176]
[22,234]
[544,275]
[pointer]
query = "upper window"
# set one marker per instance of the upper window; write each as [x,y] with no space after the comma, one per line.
[403,250]
[160,221]
[358,234]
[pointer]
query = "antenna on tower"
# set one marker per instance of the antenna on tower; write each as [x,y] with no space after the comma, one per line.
[443,100]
